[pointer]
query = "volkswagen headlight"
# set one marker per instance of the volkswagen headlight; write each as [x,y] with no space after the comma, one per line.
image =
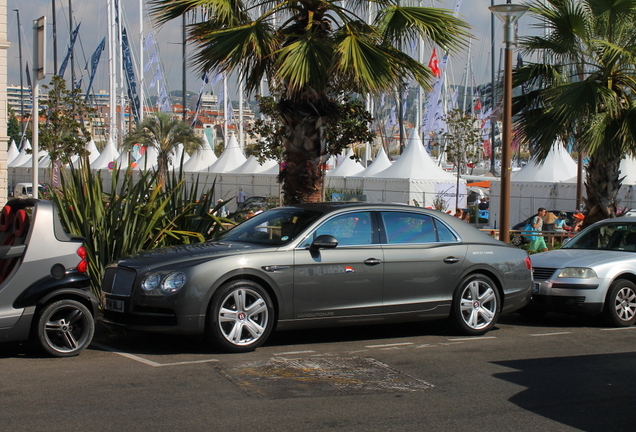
[577,273]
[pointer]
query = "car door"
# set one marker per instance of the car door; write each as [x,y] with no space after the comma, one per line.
[343,281]
[422,262]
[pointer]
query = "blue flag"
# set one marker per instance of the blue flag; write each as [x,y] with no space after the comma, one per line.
[130,76]
[70,50]
[94,62]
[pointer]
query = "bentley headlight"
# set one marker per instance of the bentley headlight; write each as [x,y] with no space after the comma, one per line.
[577,273]
[151,281]
[173,282]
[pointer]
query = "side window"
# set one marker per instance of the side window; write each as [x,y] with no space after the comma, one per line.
[404,227]
[443,233]
[348,229]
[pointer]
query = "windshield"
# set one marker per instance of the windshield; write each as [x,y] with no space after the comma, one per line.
[273,227]
[617,236]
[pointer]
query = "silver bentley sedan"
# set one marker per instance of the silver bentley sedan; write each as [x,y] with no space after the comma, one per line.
[594,273]
[320,265]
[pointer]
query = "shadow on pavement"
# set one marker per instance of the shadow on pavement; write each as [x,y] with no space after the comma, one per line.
[590,393]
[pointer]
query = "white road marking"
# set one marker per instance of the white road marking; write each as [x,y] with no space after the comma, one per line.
[146,361]
[472,338]
[618,328]
[294,352]
[550,334]
[390,345]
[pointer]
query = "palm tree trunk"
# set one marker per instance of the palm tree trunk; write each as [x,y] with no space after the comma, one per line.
[305,152]
[602,184]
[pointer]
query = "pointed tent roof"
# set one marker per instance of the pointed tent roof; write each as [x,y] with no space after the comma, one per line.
[147,160]
[109,154]
[558,166]
[231,158]
[348,167]
[23,156]
[380,163]
[201,159]
[175,157]
[628,169]
[94,153]
[13,152]
[251,166]
[415,163]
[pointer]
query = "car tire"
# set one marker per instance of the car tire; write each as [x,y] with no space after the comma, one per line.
[620,304]
[241,316]
[476,305]
[65,328]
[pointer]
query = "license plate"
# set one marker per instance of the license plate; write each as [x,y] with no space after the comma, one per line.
[535,288]
[114,305]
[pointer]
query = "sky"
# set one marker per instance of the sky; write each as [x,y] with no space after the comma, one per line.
[93,18]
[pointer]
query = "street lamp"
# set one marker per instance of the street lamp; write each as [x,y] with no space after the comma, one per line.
[508,14]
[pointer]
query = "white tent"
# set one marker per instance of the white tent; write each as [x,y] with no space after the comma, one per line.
[22,157]
[231,158]
[13,152]
[109,154]
[175,157]
[201,159]
[92,149]
[147,160]
[415,178]
[348,167]
[252,166]
[380,163]
[558,166]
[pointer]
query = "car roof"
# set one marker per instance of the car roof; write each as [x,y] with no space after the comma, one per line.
[329,206]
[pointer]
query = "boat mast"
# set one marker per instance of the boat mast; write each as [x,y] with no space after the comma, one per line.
[141,61]
[70,25]
[112,129]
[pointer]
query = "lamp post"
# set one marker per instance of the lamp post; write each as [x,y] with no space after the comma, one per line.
[508,14]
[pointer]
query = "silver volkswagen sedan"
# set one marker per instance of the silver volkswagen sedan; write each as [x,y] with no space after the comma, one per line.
[595,273]
[319,265]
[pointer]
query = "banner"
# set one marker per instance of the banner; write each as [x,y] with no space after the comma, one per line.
[433,64]
[70,50]
[130,76]
[205,80]
[94,62]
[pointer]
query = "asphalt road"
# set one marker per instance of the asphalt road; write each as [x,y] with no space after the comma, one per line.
[559,374]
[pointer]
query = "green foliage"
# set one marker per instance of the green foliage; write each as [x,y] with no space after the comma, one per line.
[164,133]
[135,216]
[64,133]
[13,128]
[348,124]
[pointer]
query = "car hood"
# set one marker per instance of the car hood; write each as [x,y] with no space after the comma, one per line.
[188,253]
[577,258]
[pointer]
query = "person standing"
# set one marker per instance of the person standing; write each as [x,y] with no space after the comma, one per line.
[538,244]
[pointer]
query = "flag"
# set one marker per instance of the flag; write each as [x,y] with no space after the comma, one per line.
[94,62]
[433,64]
[149,40]
[205,79]
[156,77]
[70,50]
[131,80]
[524,86]
[28,75]
[152,59]
[478,105]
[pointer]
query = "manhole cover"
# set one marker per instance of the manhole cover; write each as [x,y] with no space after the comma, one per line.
[312,377]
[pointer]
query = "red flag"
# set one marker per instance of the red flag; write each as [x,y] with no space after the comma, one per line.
[478,105]
[433,64]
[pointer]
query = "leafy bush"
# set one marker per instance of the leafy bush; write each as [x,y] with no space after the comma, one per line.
[135,216]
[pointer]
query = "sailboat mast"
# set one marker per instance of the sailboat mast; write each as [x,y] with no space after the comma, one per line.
[141,61]
[54,38]
[70,24]
[112,129]
[183,69]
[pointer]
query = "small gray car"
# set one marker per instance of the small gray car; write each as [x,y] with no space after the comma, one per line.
[594,273]
[44,289]
[319,265]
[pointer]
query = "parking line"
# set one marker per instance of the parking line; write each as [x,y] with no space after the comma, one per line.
[618,328]
[390,345]
[472,338]
[295,352]
[146,361]
[550,334]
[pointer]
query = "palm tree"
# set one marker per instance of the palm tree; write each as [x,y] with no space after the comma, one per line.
[306,49]
[585,89]
[164,133]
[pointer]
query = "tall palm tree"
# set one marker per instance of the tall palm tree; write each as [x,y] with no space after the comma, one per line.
[585,89]
[164,133]
[305,48]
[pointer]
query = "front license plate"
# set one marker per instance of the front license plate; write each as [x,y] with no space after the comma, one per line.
[535,288]
[114,305]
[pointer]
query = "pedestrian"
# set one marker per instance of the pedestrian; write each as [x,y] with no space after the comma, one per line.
[222,210]
[578,222]
[466,216]
[537,225]
[458,213]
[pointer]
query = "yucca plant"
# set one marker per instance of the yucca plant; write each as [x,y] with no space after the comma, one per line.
[136,215]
